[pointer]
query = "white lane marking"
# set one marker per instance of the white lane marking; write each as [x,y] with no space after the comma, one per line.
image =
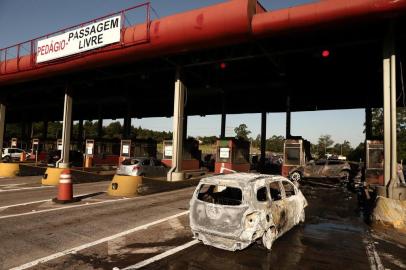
[27,203]
[12,185]
[21,204]
[27,188]
[62,208]
[79,248]
[373,257]
[89,204]
[162,255]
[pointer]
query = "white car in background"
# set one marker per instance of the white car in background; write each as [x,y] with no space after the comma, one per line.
[10,154]
[142,166]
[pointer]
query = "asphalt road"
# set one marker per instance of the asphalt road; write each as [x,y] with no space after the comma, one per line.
[102,232]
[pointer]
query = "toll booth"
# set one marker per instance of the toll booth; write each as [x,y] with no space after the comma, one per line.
[191,154]
[138,148]
[125,150]
[35,149]
[232,154]
[296,152]
[89,152]
[59,145]
[374,170]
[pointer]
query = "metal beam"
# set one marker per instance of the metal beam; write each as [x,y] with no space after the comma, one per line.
[394,157]
[66,131]
[2,125]
[263,139]
[368,123]
[223,117]
[386,113]
[176,173]
[288,123]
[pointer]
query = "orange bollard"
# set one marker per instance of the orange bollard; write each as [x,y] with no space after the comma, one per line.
[65,188]
[23,156]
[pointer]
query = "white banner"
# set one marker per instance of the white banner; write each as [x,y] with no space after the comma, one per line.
[83,39]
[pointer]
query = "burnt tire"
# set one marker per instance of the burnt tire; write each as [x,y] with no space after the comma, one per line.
[295,176]
[269,237]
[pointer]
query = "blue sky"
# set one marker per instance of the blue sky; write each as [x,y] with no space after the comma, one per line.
[21,20]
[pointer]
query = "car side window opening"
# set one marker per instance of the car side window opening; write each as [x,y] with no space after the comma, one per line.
[261,195]
[275,190]
[321,162]
[219,194]
[289,189]
[146,162]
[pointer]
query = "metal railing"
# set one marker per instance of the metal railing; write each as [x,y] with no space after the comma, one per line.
[129,17]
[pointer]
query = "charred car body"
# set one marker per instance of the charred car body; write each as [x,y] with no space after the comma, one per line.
[234,210]
[323,168]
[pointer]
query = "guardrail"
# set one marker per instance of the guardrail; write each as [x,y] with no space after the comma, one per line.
[129,17]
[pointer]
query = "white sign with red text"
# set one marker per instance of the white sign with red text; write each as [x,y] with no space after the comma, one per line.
[83,39]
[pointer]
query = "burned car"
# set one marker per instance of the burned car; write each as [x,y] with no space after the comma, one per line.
[323,168]
[232,211]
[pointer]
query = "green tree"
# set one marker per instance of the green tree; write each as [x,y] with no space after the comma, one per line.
[324,143]
[342,148]
[275,144]
[242,131]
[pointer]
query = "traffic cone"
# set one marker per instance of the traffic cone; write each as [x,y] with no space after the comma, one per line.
[65,188]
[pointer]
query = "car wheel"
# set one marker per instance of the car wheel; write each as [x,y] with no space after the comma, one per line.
[345,176]
[7,159]
[269,237]
[302,216]
[295,176]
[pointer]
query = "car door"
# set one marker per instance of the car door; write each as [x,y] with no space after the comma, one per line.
[292,204]
[159,168]
[318,168]
[332,168]
[146,167]
[277,206]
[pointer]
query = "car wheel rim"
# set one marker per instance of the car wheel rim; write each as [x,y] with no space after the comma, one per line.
[295,176]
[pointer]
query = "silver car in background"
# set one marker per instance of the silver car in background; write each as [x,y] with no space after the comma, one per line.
[142,167]
[232,211]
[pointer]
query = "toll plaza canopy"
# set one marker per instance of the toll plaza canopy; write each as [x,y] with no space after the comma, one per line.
[233,57]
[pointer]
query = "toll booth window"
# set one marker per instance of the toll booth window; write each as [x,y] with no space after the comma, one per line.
[146,162]
[292,156]
[275,191]
[375,158]
[335,162]
[261,194]
[289,189]
[241,155]
[321,162]
[218,194]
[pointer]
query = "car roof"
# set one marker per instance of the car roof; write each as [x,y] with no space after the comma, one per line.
[245,178]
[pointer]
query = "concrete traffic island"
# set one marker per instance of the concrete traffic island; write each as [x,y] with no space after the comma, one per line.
[9,169]
[390,212]
[123,185]
[51,176]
